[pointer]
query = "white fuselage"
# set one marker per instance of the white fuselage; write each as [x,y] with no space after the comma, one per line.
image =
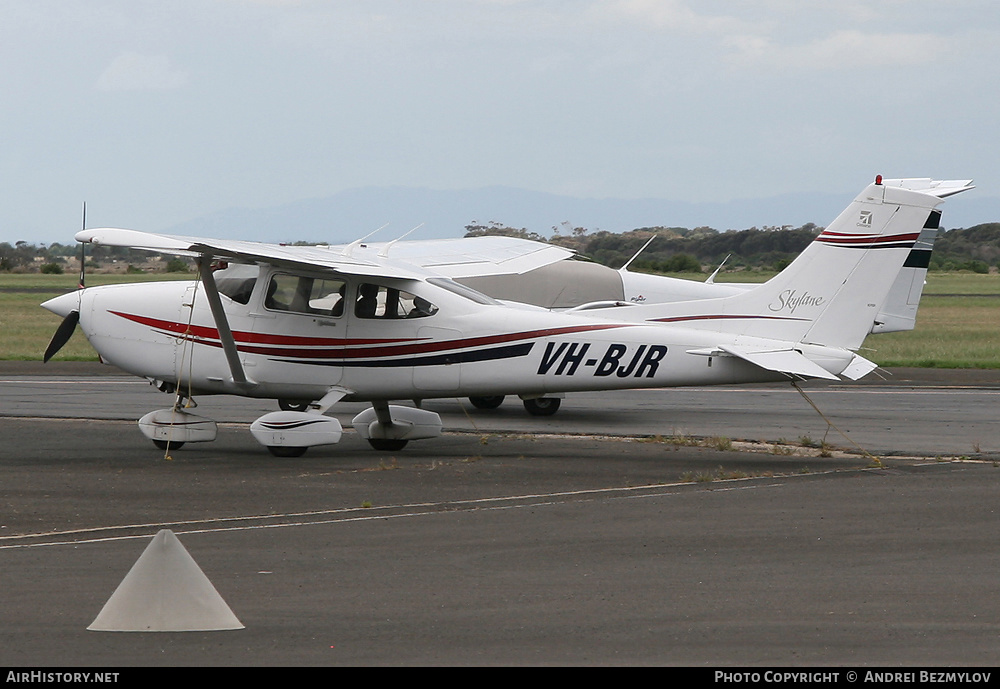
[464,348]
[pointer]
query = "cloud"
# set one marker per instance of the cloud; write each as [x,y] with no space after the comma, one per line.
[134,72]
[840,50]
[669,16]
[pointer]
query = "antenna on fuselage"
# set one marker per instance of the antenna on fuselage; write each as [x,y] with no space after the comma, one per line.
[384,253]
[357,242]
[711,278]
[624,268]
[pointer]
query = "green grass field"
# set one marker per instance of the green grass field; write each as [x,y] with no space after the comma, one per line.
[958,325]
[951,332]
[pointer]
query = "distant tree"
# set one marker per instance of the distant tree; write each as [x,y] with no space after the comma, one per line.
[977,243]
[17,256]
[683,263]
[177,265]
[678,263]
[666,232]
[497,229]
[570,231]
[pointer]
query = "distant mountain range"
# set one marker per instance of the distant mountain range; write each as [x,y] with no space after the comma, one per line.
[353,213]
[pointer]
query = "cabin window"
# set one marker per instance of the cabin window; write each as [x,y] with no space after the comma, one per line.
[378,301]
[236,281]
[301,294]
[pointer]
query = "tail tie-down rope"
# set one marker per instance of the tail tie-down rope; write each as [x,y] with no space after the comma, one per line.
[875,460]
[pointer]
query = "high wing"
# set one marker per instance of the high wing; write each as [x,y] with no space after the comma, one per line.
[471,256]
[442,257]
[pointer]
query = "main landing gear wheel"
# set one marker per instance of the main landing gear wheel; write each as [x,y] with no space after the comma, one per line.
[293,405]
[286,451]
[487,402]
[166,444]
[387,444]
[542,406]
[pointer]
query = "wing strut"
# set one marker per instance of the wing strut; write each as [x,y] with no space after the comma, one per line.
[221,323]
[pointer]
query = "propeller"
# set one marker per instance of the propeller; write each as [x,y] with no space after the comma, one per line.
[62,335]
[70,321]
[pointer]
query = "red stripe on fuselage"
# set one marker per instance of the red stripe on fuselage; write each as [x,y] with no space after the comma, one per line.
[427,347]
[722,317]
[340,348]
[205,332]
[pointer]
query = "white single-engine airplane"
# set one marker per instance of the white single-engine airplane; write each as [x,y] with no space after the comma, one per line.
[311,326]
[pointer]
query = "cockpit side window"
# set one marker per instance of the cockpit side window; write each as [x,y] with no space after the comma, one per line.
[236,281]
[379,301]
[303,294]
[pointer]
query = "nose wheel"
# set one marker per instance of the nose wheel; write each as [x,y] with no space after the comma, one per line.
[167,445]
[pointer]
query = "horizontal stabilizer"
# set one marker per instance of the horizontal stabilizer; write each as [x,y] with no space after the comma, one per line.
[942,188]
[858,368]
[787,361]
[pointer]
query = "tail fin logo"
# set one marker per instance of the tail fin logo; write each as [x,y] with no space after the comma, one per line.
[789,300]
[866,219]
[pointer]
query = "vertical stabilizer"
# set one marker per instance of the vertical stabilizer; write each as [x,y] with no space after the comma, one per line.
[883,241]
[832,292]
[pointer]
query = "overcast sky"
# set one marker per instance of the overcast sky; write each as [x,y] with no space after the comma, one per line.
[158,112]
